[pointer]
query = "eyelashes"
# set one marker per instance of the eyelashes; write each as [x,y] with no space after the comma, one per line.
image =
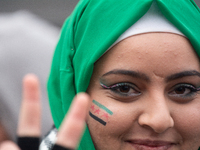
[123,89]
[181,92]
[184,90]
[112,86]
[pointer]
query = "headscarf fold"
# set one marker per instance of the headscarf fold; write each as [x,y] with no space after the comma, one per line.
[90,30]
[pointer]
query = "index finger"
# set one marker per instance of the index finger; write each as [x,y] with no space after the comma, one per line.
[30,113]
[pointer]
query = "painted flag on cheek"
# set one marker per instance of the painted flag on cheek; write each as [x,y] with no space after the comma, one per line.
[100,113]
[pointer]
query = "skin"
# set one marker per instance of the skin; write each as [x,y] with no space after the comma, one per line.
[151,115]
[8,145]
[157,110]
[3,135]
[72,126]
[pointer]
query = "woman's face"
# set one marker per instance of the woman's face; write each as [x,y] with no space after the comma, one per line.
[145,95]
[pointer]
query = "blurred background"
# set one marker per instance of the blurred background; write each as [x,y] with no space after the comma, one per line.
[29,31]
[197,2]
[54,11]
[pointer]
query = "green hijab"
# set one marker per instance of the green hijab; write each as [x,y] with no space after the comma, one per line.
[90,30]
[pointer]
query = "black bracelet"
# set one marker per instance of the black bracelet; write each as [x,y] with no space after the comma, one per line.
[58,147]
[28,143]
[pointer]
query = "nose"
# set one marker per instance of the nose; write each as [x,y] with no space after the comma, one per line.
[156,115]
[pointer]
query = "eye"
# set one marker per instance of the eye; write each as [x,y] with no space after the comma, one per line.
[123,89]
[184,91]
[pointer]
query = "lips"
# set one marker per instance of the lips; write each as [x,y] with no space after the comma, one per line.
[151,145]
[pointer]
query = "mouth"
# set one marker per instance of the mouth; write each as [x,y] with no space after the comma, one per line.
[151,145]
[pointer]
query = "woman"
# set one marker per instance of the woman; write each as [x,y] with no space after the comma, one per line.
[132,77]
[143,88]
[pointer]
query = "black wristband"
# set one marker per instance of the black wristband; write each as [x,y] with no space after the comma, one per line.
[58,147]
[28,143]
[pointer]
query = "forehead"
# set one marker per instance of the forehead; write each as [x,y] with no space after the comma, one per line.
[150,52]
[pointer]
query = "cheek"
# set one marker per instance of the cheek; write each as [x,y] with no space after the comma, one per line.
[115,125]
[110,136]
[187,122]
[115,117]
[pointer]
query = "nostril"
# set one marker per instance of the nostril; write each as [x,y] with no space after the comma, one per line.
[158,123]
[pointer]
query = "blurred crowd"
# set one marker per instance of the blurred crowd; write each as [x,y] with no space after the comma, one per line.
[27,43]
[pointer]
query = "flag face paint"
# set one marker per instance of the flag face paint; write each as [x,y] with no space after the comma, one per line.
[100,113]
[97,119]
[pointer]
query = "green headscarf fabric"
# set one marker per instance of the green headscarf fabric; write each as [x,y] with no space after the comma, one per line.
[90,30]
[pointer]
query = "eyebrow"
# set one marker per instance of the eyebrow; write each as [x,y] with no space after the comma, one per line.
[143,76]
[182,74]
[134,74]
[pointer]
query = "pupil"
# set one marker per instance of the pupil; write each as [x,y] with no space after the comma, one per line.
[125,89]
[180,90]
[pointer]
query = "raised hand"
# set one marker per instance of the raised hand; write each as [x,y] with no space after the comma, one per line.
[70,131]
